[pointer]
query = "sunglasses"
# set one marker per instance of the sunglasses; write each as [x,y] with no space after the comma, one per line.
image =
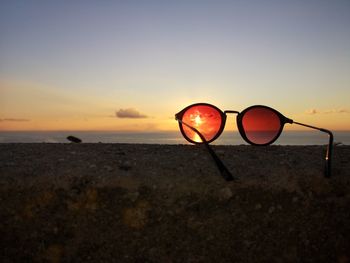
[202,123]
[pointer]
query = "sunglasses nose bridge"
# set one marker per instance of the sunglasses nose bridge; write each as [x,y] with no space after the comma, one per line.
[231,111]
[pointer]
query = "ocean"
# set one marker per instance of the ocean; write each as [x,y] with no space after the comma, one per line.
[174,137]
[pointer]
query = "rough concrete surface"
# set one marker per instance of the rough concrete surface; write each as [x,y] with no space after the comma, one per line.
[168,203]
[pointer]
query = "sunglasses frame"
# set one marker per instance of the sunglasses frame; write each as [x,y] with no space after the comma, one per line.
[283,120]
[222,126]
[239,120]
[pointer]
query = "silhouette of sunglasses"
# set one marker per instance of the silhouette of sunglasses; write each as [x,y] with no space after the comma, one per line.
[258,125]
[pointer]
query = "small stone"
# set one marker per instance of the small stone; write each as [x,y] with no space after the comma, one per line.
[125,166]
[171,213]
[108,168]
[247,243]
[279,207]
[258,206]
[225,193]
[74,139]
[210,238]
[295,199]
[271,209]
[92,166]
[133,196]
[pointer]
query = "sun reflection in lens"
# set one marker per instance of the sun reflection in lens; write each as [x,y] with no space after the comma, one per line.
[205,119]
[198,120]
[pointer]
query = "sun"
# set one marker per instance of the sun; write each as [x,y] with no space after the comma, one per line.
[198,120]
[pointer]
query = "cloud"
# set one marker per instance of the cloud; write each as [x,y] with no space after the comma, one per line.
[130,113]
[315,111]
[337,111]
[311,111]
[14,120]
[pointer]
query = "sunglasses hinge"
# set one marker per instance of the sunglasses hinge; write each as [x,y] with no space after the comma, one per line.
[290,121]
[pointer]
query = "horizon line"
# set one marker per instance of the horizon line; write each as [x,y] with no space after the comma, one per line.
[148,131]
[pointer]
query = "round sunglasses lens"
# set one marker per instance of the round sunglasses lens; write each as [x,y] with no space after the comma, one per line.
[261,125]
[206,119]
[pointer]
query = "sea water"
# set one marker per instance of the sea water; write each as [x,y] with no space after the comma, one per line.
[173,137]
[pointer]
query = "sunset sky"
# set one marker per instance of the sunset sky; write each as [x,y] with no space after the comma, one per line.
[131,65]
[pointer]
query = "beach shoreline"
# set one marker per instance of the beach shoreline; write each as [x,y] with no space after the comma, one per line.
[168,203]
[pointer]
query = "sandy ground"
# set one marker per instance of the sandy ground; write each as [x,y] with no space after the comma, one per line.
[168,203]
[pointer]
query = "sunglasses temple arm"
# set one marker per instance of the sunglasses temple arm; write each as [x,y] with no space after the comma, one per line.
[222,168]
[328,158]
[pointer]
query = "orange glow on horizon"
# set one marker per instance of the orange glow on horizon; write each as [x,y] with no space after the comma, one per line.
[113,124]
[31,106]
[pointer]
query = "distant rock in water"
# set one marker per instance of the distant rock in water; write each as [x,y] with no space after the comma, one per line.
[74,139]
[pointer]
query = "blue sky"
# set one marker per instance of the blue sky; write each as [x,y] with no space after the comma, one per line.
[75,63]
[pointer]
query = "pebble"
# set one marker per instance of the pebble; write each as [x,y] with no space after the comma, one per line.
[306,242]
[126,165]
[133,196]
[210,238]
[258,206]
[247,243]
[272,209]
[171,213]
[108,168]
[225,193]
[295,199]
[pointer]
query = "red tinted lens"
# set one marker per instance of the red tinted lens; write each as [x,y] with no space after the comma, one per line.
[261,125]
[206,119]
